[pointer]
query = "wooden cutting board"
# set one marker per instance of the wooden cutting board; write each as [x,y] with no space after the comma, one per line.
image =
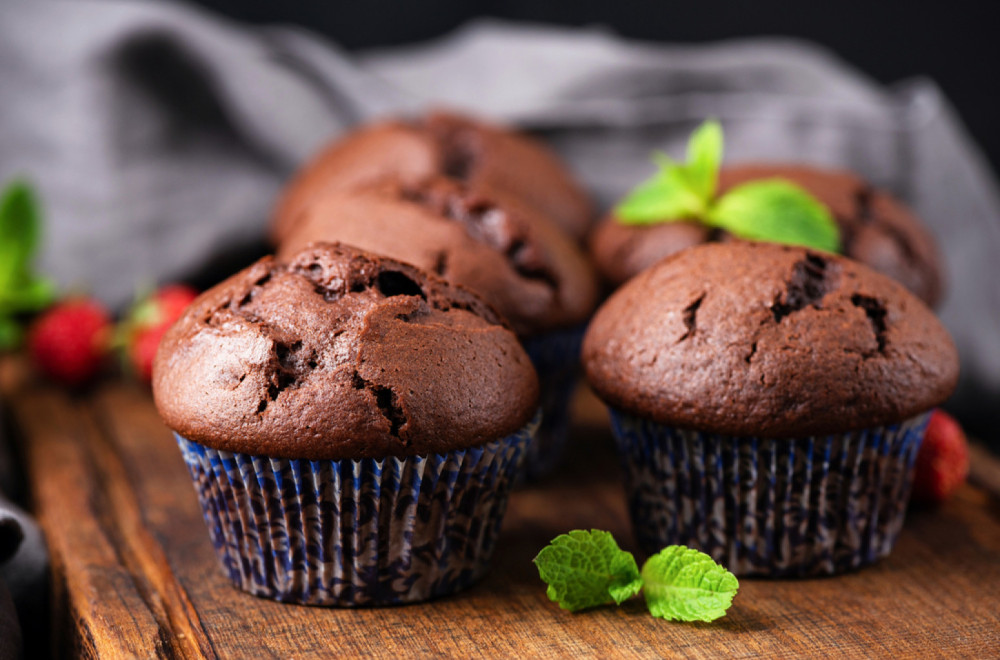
[136,575]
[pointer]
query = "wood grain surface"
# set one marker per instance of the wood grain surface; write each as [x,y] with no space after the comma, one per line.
[136,576]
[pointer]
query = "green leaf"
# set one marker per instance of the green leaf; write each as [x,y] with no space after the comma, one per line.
[777,211]
[704,155]
[20,229]
[678,191]
[584,569]
[10,334]
[666,197]
[31,296]
[683,584]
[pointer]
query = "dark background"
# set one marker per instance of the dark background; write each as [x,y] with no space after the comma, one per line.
[955,43]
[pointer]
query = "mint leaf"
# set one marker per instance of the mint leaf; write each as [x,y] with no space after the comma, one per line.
[584,569]
[777,211]
[667,197]
[773,210]
[21,291]
[20,229]
[32,296]
[678,192]
[684,584]
[10,334]
[704,154]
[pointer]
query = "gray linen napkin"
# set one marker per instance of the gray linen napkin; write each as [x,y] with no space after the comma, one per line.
[159,134]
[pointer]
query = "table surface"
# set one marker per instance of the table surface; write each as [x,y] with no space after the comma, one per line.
[135,573]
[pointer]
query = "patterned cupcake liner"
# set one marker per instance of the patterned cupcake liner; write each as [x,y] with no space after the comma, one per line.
[356,532]
[556,356]
[769,507]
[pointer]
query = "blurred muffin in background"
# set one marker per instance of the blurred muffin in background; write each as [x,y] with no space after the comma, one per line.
[876,229]
[489,159]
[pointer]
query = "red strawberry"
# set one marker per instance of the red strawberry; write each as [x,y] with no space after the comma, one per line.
[142,350]
[943,460]
[171,301]
[69,341]
[148,321]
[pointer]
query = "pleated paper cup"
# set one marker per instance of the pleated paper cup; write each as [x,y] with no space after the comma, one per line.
[771,507]
[556,357]
[356,532]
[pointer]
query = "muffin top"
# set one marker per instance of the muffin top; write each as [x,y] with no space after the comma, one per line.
[488,158]
[339,354]
[876,230]
[517,260]
[756,339]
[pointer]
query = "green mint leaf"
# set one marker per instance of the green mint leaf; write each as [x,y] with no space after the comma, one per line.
[683,584]
[20,230]
[666,197]
[678,191]
[10,334]
[584,569]
[704,155]
[777,211]
[32,295]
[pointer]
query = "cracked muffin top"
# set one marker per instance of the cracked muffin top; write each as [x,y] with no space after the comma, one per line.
[520,263]
[489,159]
[876,230]
[756,339]
[340,354]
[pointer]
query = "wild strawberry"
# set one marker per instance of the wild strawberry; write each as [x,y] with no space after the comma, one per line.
[943,460]
[69,341]
[146,323]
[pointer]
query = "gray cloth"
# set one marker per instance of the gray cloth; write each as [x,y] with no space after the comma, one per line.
[159,135]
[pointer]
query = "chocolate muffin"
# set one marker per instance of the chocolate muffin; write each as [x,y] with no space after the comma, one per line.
[768,402]
[489,159]
[347,409]
[876,230]
[517,260]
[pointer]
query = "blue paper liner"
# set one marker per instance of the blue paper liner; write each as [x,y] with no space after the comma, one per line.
[356,532]
[771,507]
[556,357]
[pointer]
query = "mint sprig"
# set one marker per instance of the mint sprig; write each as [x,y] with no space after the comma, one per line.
[21,290]
[585,569]
[774,210]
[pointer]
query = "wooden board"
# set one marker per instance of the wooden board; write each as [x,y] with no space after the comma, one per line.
[135,574]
